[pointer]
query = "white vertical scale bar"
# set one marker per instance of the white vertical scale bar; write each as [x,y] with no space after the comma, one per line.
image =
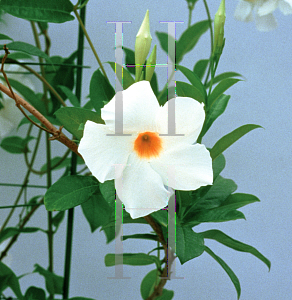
[118,131]
[171,242]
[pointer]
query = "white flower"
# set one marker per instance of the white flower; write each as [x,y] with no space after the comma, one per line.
[10,115]
[144,162]
[264,9]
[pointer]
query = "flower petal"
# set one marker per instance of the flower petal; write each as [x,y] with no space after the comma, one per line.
[266,23]
[101,152]
[267,7]
[139,108]
[243,11]
[285,7]
[186,167]
[141,189]
[10,116]
[189,120]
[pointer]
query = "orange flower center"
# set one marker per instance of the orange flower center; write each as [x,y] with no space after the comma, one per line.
[148,144]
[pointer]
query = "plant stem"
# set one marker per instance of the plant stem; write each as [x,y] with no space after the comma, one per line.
[57,134]
[25,181]
[168,260]
[73,171]
[211,37]
[81,24]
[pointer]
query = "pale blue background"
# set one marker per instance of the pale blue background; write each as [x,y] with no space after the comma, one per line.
[260,163]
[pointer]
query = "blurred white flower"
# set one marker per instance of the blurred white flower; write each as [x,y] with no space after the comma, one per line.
[263,12]
[10,115]
[147,160]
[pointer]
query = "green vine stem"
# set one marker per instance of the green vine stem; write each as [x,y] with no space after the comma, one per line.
[25,181]
[81,24]
[50,232]
[73,171]
[25,220]
[211,40]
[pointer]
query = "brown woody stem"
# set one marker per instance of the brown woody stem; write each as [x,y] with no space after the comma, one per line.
[165,275]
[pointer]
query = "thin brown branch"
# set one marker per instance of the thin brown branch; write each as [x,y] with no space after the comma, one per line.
[52,129]
[169,258]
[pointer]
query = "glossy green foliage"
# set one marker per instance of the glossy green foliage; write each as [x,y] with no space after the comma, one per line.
[70,191]
[9,279]
[74,119]
[230,138]
[101,90]
[54,283]
[55,11]
[27,48]
[16,144]
[148,284]
[35,293]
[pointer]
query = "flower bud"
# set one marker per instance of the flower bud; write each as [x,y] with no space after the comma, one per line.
[219,22]
[142,45]
[150,64]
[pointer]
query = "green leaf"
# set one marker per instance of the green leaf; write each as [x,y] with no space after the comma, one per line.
[9,232]
[70,191]
[130,60]
[144,236]
[194,80]
[132,259]
[189,244]
[227,269]
[108,191]
[128,80]
[201,67]
[161,217]
[58,218]
[189,38]
[148,284]
[101,90]
[55,11]
[163,39]
[16,144]
[9,279]
[184,89]
[214,112]
[53,120]
[55,161]
[223,76]
[72,117]
[227,140]
[69,94]
[220,88]
[34,293]
[54,283]
[227,241]
[96,211]
[213,205]
[5,37]
[237,200]
[80,298]
[62,75]
[26,48]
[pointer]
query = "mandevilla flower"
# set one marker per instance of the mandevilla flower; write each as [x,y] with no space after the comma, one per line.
[264,9]
[146,160]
